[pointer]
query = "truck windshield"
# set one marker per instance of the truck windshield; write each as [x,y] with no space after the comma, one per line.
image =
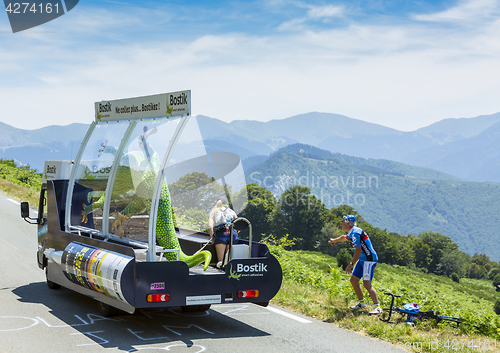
[129,169]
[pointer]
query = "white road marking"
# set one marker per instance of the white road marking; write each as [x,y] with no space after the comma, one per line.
[14,201]
[244,307]
[35,321]
[167,348]
[92,334]
[288,315]
[19,204]
[249,314]
[185,327]
[8,243]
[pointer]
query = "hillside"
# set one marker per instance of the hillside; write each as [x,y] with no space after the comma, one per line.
[309,128]
[11,136]
[448,130]
[465,148]
[473,158]
[391,200]
[33,147]
[447,145]
[375,166]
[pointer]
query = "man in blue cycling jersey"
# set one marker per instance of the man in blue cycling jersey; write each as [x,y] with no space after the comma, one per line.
[365,259]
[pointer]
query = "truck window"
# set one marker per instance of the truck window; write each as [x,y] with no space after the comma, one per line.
[42,206]
[93,173]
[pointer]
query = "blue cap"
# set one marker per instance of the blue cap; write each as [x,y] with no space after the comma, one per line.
[349,218]
[223,199]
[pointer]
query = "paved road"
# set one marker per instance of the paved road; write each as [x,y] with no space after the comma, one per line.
[34,318]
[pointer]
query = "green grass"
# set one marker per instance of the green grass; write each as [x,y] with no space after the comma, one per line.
[20,183]
[469,294]
[314,286]
[19,192]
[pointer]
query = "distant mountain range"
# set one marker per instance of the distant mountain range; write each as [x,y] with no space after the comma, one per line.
[424,177]
[34,147]
[465,148]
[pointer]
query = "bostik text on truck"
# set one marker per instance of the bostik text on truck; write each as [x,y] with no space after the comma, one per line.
[126,222]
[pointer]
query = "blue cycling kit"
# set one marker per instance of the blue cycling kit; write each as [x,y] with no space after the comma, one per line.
[358,237]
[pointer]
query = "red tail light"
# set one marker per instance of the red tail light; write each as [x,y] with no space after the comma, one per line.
[158,298]
[248,294]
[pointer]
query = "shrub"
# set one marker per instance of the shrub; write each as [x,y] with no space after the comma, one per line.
[496,282]
[455,277]
[497,306]
[344,258]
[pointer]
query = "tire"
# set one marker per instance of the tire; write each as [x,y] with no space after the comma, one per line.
[195,308]
[107,310]
[50,284]
[204,307]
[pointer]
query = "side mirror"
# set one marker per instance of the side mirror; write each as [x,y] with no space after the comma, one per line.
[25,210]
[25,213]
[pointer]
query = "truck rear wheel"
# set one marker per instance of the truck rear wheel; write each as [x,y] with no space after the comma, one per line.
[107,310]
[195,308]
[50,284]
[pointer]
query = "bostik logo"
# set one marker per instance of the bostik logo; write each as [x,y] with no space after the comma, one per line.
[242,268]
[28,14]
[178,100]
[104,108]
[51,169]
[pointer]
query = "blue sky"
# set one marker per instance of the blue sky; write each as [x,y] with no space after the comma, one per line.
[402,64]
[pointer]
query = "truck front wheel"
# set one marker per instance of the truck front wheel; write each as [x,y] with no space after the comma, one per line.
[50,284]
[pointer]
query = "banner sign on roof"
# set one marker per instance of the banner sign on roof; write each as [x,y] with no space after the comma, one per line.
[158,105]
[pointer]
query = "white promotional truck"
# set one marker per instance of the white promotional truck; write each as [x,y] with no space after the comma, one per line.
[126,222]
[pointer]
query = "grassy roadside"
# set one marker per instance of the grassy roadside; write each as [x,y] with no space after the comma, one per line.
[19,192]
[20,183]
[424,337]
[314,286]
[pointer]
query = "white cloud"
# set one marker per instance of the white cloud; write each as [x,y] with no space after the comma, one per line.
[399,76]
[297,24]
[325,11]
[314,13]
[466,10]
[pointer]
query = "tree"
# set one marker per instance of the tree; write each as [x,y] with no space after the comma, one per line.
[495,270]
[439,244]
[259,210]
[344,258]
[331,231]
[452,262]
[301,215]
[497,306]
[193,196]
[422,252]
[496,283]
[336,214]
[195,190]
[405,255]
[483,261]
[476,271]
